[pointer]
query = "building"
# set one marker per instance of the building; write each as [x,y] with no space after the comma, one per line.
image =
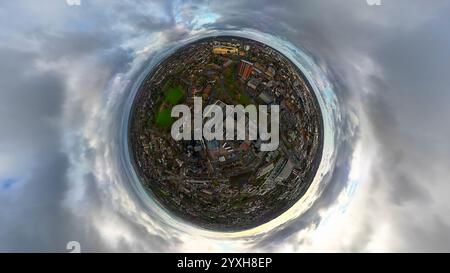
[265,170]
[260,67]
[286,172]
[227,63]
[225,50]
[266,97]
[245,69]
[212,144]
[270,72]
[253,83]
[207,91]
[282,170]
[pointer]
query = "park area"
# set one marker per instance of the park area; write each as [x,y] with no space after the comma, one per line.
[173,95]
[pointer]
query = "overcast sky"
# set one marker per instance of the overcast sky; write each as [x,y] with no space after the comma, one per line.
[65,71]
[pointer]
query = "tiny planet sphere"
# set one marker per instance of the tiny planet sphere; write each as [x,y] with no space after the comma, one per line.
[228,184]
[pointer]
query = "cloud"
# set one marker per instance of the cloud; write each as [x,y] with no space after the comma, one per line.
[33,218]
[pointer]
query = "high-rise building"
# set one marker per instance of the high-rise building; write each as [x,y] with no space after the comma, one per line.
[245,69]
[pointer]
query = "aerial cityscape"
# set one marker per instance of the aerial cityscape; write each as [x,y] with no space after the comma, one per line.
[226,185]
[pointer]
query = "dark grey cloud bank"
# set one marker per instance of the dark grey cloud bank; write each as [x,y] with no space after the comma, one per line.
[388,63]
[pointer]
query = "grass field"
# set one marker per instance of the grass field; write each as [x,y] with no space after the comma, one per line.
[173,96]
[244,98]
[229,81]
[233,88]
[163,118]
